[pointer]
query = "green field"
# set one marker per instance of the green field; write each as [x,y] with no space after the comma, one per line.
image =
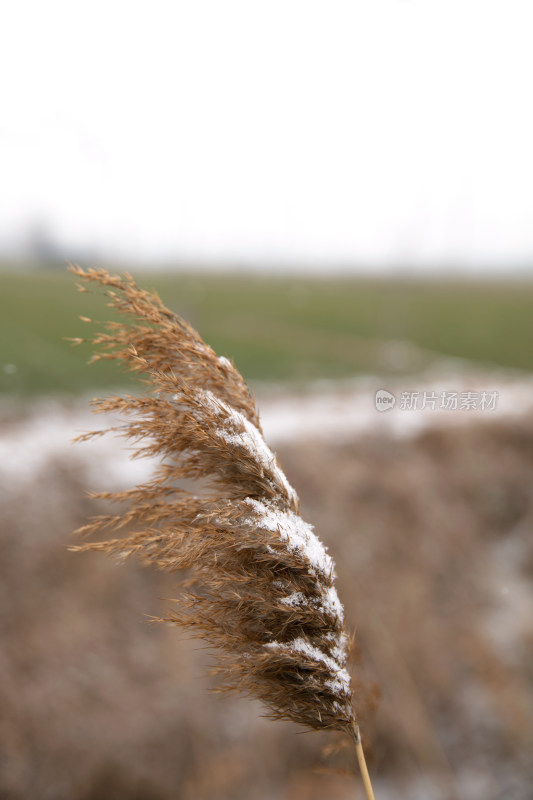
[274,328]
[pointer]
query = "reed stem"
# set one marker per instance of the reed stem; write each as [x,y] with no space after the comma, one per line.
[361,761]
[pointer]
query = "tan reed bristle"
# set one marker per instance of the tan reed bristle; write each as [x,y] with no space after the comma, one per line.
[262,588]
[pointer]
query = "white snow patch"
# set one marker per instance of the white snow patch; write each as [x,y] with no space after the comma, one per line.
[326,600]
[507,622]
[240,432]
[339,645]
[30,444]
[299,535]
[339,683]
[294,600]
[331,603]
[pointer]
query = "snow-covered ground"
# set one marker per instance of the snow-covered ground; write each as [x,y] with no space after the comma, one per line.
[334,411]
[443,396]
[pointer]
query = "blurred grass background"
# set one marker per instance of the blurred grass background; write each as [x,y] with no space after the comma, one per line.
[274,328]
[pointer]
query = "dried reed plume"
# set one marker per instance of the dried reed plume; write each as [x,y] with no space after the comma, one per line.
[260,584]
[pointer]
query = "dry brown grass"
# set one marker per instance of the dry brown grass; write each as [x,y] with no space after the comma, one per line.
[428,533]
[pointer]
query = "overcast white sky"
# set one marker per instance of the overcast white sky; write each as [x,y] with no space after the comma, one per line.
[385,132]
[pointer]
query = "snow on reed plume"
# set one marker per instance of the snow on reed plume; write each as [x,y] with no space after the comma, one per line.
[259,583]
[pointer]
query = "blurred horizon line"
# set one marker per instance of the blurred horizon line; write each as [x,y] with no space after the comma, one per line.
[456,271]
[38,245]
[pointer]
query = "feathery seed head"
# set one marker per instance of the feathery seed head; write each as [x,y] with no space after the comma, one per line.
[262,587]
